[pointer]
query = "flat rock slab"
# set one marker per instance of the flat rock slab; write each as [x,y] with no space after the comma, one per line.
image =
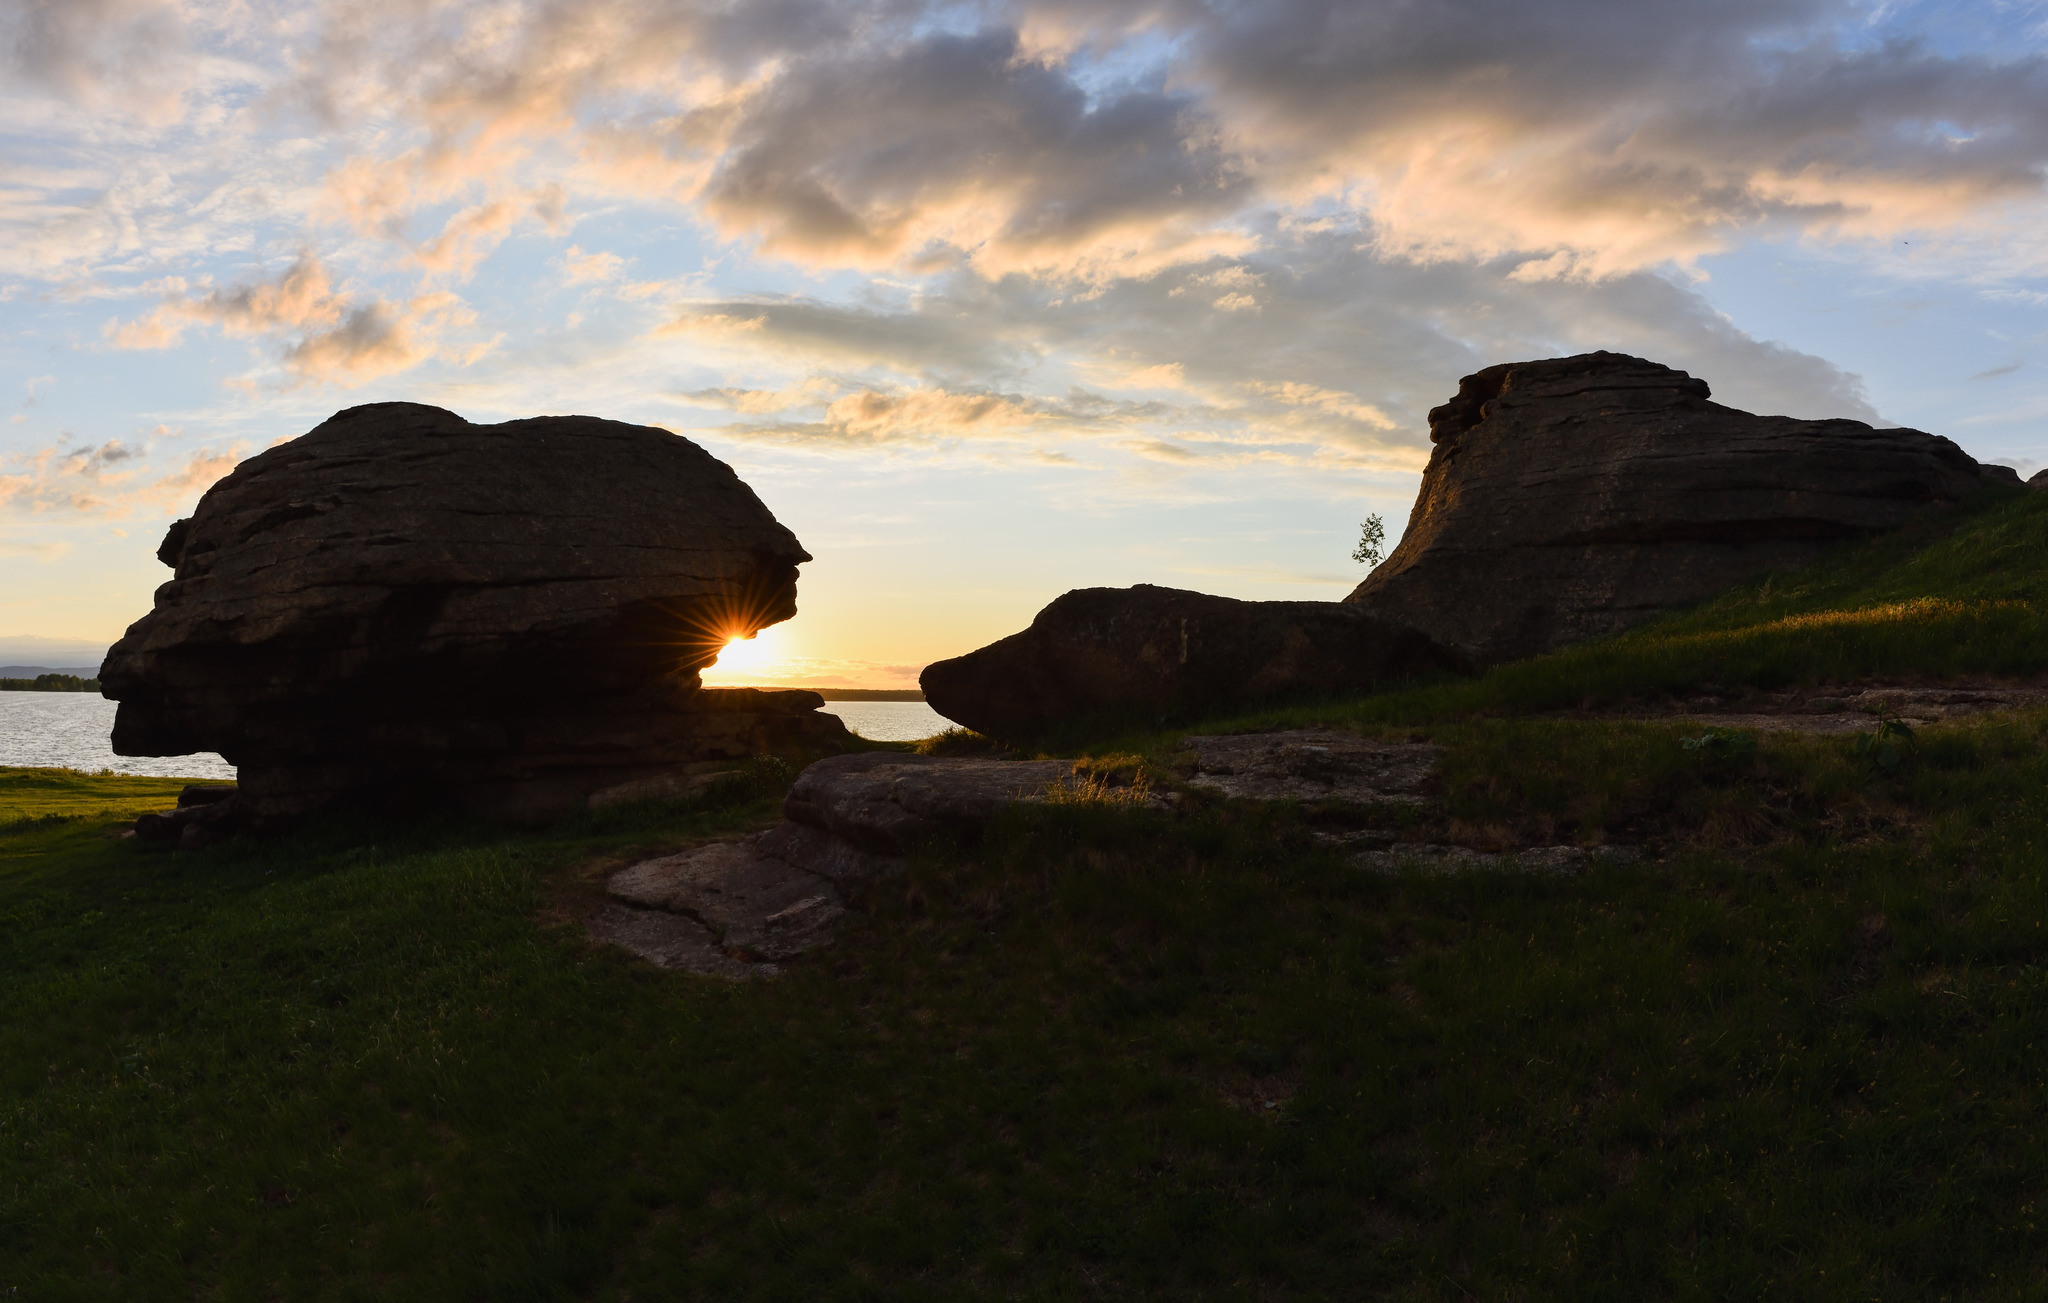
[1308,765]
[761,908]
[1856,712]
[885,802]
[740,908]
[1825,725]
[670,941]
[1944,703]
[1420,857]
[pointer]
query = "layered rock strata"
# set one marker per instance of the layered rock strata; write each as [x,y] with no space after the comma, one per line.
[1162,652]
[405,606]
[1565,499]
[1570,498]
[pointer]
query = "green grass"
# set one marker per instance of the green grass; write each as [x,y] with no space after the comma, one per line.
[1963,593]
[69,793]
[1797,1053]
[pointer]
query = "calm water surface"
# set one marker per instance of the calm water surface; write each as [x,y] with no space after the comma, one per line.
[890,721]
[71,730]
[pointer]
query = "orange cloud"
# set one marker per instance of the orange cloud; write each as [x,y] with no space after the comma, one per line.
[339,340]
[110,480]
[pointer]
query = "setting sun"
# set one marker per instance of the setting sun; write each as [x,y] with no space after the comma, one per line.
[745,660]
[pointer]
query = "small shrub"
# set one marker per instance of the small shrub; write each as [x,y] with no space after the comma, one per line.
[1891,745]
[961,742]
[1722,745]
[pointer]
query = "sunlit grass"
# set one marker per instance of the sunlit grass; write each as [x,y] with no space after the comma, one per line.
[67,793]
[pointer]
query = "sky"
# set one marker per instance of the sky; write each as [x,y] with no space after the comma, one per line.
[987,301]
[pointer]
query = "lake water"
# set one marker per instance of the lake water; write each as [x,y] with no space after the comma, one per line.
[71,730]
[890,721]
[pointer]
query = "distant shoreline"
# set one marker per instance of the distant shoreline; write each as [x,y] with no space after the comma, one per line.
[868,694]
[50,683]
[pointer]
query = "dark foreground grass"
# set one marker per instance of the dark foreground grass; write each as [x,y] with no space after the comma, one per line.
[1798,1052]
[1103,1054]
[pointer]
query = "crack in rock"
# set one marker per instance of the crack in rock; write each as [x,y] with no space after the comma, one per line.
[1311,765]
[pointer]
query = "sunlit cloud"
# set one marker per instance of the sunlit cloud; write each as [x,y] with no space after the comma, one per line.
[580,268]
[112,479]
[338,340]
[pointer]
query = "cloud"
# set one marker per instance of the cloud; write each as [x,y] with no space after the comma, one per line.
[922,417]
[580,268]
[815,391]
[300,298]
[967,143]
[112,479]
[954,333]
[126,54]
[1162,450]
[41,550]
[927,413]
[1341,365]
[338,339]
[1592,137]
[1334,401]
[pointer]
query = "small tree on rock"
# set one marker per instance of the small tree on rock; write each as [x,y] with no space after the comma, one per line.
[1372,537]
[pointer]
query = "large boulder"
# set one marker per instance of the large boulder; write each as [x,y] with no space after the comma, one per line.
[1566,499]
[403,604]
[1571,498]
[1162,652]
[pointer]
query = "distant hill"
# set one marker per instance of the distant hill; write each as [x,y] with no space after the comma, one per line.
[30,671]
[870,694]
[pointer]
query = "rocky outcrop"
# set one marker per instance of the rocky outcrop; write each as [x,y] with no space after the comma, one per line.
[1566,499]
[742,908]
[1571,498]
[403,605]
[1156,653]
[1310,765]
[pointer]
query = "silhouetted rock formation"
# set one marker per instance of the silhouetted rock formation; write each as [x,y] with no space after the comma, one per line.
[1566,499]
[1165,652]
[1571,498]
[403,604]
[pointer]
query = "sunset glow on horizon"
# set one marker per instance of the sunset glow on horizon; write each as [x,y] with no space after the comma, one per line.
[986,301]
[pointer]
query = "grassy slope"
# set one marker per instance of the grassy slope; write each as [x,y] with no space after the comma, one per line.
[69,793]
[1103,1053]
